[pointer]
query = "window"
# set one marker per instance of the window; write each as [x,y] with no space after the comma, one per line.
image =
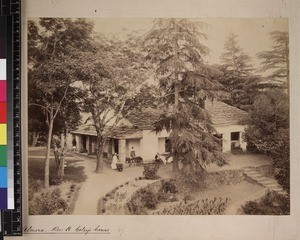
[235,136]
[167,145]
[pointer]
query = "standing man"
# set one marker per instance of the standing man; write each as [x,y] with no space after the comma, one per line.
[132,156]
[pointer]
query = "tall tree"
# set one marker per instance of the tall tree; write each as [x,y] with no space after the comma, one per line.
[111,78]
[53,47]
[275,62]
[237,75]
[268,130]
[68,119]
[174,47]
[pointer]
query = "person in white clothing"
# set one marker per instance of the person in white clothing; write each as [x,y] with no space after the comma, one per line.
[114,162]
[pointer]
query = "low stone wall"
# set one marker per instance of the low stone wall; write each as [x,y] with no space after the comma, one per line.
[266,170]
[225,177]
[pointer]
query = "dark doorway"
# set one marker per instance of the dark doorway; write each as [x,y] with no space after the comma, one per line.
[116,145]
[168,145]
[84,143]
[90,145]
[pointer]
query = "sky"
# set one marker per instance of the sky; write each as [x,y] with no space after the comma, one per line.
[252,33]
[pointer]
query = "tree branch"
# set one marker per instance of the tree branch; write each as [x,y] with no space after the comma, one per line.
[41,106]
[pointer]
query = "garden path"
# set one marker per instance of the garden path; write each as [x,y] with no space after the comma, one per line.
[98,184]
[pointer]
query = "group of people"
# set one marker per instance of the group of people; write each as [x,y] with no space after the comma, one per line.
[116,160]
[157,159]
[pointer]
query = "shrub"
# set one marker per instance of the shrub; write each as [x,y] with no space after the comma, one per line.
[168,186]
[143,198]
[283,177]
[150,172]
[55,180]
[271,204]
[34,187]
[48,202]
[204,207]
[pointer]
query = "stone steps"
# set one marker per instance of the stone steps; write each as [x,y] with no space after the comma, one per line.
[266,182]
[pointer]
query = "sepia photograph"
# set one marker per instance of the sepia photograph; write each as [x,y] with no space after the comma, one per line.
[166,116]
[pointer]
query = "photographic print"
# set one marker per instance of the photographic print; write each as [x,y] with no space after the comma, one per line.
[167,116]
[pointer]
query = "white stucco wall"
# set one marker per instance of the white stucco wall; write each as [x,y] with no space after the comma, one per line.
[135,143]
[161,144]
[150,144]
[69,141]
[226,132]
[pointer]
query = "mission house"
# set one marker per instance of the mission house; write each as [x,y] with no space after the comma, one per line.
[136,132]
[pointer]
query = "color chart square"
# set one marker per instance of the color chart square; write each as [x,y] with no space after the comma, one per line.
[2,90]
[3,198]
[2,69]
[3,134]
[3,177]
[3,156]
[2,112]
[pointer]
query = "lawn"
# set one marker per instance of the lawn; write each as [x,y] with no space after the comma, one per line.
[41,151]
[61,196]
[73,172]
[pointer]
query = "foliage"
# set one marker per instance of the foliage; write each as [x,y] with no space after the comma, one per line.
[34,187]
[150,171]
[203,207]
[168,186]
[110,79]
[54,46]
[143,199]
[237,75]
[167,191]
[270,204]
[55,180]
[48,202]
[276,60]
[174,48]
[268,131]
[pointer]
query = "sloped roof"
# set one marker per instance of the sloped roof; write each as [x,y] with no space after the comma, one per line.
[221,114]
[86,129]
[144,119]
[89,129]
[224,114]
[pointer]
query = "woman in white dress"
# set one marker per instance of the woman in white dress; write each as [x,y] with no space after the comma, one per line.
[114,162]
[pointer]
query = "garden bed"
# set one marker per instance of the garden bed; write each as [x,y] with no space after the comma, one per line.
[55,200]
[115,201]
[62,193]
[213,195]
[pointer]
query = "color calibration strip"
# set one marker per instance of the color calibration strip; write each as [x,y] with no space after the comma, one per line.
[3,117]
[11,219]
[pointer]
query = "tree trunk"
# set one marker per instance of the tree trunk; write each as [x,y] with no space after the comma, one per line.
[100,146]
[48,149]
[61,169]
[175,164]
[176,98]
[35,137]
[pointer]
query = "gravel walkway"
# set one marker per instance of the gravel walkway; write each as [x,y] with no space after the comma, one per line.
[98,184]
